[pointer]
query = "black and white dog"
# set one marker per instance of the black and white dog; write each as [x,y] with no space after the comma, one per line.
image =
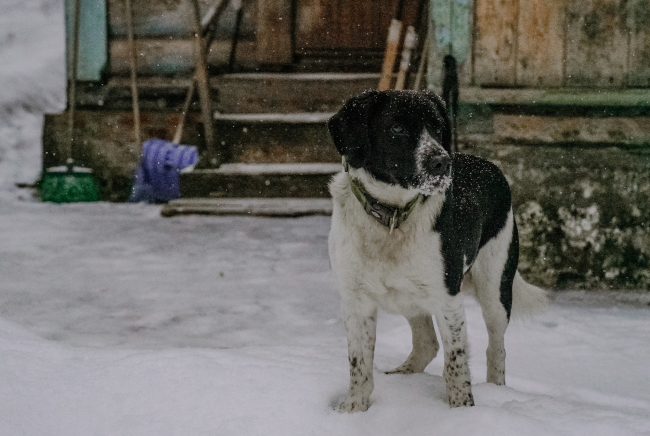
[413,224]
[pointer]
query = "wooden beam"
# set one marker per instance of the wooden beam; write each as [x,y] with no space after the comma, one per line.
[165,57]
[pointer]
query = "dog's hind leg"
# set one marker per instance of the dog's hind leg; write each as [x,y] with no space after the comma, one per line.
[360,318]
[425,345]
[492,276]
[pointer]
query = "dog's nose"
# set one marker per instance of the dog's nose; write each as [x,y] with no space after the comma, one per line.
[438,165]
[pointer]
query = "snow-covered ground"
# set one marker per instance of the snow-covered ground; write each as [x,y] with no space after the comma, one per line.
[118,321]
[115,321]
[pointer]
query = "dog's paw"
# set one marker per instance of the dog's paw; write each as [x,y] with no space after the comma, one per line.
[353,404]
[461,400]
[403,369]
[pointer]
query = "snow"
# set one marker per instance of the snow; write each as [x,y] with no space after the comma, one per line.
[32,81]
[116,321]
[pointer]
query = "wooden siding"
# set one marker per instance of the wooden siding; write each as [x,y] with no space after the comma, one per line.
[495,48]
[597,43]
[555,43]
[540,48]
[344,25]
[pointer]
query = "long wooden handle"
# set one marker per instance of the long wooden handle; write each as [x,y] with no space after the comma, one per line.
[410,41]
[392,44]
[423,61]
[72,89]
[208,29]
[133,60]
[201,76]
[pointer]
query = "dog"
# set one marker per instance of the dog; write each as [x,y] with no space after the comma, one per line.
[412,225]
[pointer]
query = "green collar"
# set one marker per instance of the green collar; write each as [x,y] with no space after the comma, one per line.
[389,216]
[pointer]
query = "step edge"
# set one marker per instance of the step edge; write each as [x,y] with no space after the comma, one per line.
[276,117]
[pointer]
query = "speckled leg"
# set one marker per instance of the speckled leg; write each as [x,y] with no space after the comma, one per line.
[453,330]
[360,317]
[425,345]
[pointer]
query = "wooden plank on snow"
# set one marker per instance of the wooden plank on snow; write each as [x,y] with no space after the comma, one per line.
[596,43]
[540,52]
[495,44]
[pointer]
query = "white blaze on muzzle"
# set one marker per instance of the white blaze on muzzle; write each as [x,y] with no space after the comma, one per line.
[427,183]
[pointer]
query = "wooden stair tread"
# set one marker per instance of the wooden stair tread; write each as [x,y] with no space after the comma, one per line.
[263,207]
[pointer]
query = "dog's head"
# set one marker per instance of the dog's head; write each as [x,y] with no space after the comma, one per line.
[399,137]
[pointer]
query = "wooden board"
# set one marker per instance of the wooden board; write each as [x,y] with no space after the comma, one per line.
[274,32]
[495,42]
[165,57]
[540,43]
[545,129]
[596,43]
[266,207]
[332,24]
[93,55]
[171,18]
[638,18]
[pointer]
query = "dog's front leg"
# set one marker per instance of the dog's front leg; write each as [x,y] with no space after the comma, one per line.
[453,330]
[360,318]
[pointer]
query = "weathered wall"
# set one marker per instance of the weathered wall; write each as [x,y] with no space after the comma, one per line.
[583,213]
[543,43]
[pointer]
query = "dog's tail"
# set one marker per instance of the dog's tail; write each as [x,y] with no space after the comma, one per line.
[527,299]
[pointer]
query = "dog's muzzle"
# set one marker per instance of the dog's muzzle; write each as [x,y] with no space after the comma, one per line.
[433,166]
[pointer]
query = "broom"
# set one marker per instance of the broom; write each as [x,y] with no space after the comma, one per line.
[70,183]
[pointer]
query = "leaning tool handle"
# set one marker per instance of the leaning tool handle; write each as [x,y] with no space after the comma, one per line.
[201,77]
[392,43]
[423,60]
[238,6]
[450,93]
[72,96]
[133,60]
[208,29]
[410,41]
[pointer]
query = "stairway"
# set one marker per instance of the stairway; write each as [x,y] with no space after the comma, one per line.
[279,158]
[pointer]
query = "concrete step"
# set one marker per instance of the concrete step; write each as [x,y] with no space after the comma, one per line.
[275,138]
[306,180]
[265,207]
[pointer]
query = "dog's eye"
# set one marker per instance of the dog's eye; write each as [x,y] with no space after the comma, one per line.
[398,129]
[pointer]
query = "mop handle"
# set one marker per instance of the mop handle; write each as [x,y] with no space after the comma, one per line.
[133,59]
[72,96]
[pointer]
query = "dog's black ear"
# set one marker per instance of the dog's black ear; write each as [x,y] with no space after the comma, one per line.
[349,127]
[442,118]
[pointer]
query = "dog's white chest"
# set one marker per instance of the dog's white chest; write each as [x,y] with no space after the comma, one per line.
[402,272]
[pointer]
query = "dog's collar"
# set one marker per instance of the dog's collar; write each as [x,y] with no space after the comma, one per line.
[387,215]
